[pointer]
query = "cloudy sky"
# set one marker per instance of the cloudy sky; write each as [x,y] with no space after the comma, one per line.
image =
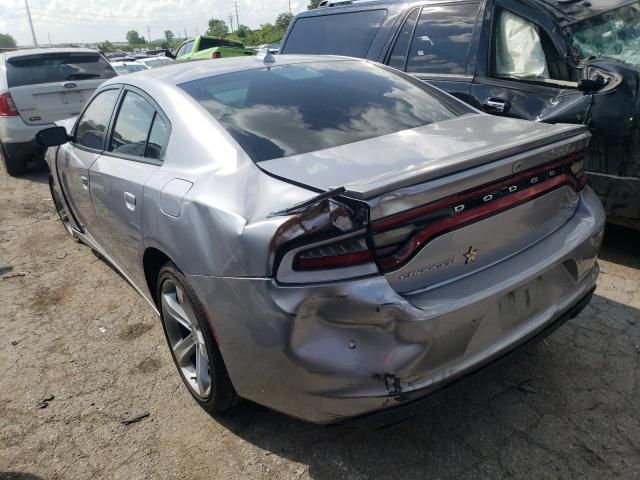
[99,20]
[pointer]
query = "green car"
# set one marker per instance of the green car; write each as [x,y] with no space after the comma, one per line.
[201,47]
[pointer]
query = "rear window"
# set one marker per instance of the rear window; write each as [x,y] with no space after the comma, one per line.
[129,68]
[217,42]
[57,67]
[293,109]
[348,34]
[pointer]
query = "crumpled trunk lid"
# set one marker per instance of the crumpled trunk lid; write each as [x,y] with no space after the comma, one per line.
[372,167]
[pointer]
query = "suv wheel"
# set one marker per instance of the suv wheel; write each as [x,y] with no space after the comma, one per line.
[14,165]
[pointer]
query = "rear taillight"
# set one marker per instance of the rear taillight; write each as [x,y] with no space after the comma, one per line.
[216,55]
[7,107]
[324,242]
[349,252]
[399,237]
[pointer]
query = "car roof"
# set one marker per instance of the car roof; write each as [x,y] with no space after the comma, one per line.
[566,12]
[40,51]
[563,12]
[182,72]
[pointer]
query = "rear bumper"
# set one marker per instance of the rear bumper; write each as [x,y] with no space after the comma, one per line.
[14,130]
[327,353]
[24,150]
[409,409]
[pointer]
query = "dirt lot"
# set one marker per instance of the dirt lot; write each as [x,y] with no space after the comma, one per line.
[74,332]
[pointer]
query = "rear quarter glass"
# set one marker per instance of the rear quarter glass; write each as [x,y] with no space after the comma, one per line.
[349,34]
[57,67]
[283,111]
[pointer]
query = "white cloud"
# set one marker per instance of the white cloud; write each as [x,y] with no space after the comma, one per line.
[98,20]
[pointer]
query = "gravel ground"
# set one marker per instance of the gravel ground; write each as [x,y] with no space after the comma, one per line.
[75,333]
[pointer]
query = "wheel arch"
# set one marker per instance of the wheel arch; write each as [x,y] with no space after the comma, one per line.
[153,260]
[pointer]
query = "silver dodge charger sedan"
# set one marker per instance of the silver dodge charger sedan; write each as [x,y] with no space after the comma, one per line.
[323,235]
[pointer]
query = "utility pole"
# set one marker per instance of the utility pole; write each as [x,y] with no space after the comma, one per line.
[148,35]
[185,33]
[231,21]
[237,18]
[33,32]
[290,13]
[49,39]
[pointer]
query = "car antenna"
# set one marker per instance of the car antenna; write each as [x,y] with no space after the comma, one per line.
[266,57]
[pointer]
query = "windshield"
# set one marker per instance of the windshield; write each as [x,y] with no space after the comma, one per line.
[293,109]
[614,34]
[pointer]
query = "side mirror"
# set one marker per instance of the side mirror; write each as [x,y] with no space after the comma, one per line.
[167,53]
[52,137]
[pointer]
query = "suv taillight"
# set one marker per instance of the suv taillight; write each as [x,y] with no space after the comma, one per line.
[216,55]
[7,107]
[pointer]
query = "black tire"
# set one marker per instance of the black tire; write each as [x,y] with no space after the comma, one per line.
[62,211]
[222,396]
[15,165]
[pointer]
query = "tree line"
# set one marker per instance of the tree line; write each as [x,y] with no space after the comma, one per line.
[267,33]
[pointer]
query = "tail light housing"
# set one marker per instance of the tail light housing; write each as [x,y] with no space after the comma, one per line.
[216,55]
[326,242]
[7,106]
[399,237]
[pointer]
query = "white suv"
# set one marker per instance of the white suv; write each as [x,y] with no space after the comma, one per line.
[38,87]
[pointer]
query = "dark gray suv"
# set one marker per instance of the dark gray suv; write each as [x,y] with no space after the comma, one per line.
[553,61]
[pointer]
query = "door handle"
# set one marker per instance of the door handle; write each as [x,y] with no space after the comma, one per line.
[85,182]
[130,201]
[496,105]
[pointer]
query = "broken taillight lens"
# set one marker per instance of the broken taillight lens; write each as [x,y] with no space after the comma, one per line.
[7,106]
[324,242]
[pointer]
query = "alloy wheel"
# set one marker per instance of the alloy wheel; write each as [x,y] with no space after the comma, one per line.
[186,338]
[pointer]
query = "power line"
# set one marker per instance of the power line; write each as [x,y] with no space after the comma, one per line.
[35,9]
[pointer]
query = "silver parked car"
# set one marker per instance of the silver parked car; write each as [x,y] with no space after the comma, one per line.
[323,235]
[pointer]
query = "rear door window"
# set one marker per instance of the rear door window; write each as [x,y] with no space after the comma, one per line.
[398,57]
[132,126]
[92,126]
[347,34]
[57,67]
[441,40]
